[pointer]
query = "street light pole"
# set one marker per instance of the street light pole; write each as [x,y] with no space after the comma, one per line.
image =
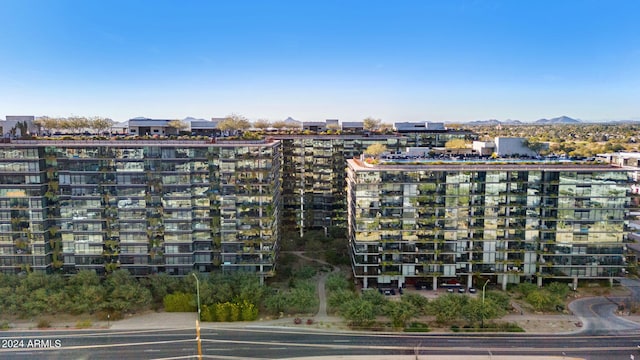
[483,287]
[198,319]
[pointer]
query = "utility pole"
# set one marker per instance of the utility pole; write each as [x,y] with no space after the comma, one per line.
[483,287]
[302,211]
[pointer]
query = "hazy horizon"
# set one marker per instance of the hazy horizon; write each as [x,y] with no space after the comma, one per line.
[439,61]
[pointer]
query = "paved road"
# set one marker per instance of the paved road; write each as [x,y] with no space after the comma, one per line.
[598,317]
[247,343]
[598,314]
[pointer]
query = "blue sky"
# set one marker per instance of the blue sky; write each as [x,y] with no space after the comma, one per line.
[312,60]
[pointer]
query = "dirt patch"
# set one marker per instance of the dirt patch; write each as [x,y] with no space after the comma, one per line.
[549,326]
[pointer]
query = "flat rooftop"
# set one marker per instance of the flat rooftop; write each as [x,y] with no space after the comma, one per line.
[479,164]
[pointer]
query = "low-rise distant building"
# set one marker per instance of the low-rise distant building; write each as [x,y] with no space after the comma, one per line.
[317,126]
[353,126]
[484,148]
[144,126]
[513,146]
[14,125]
[403,127]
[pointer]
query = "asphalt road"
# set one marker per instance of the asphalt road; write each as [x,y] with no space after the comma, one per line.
[604,336]
[254,343]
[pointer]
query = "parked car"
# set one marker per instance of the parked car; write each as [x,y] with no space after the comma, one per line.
[472,290]
[388,291]
[461,290]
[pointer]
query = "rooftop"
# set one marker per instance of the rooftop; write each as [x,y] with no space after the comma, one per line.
[438,164]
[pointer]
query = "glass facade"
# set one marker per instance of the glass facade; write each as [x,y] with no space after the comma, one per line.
[155,206]
[314,171]
[417,223]
[314,176]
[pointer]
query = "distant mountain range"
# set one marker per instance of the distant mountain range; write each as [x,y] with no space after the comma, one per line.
[556,120]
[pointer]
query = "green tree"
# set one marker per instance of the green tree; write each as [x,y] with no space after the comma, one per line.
[339,297]
[303,300]
[475,310]
[541,300]
[248,289]
[376,299]
[418,301]
[499,298]
[400,312]
[179,302]
[216,289]
[447,308]
[359,312]
[276,303]
[526,288]
[336,281]
[85,291]
[558,289]
[160,285]
[124,293]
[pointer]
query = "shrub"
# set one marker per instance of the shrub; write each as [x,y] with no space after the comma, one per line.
[249,312]
[179,302]
[208,313]
[44,323]
[340,297]
[490,327]
[84,324]
[418,301]
[417,327]
[221,311]
[336,281]
[559,289]
[526,288]
[234,311]
[277,303]
[228,311]
[500,298]
[542,300]
[305,273]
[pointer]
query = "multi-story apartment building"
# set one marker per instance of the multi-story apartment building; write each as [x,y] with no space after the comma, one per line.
[314,170]
[435,221]
[314,175]
[146,206]
[428,134]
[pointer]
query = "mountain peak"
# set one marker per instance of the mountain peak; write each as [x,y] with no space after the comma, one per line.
[558,120]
